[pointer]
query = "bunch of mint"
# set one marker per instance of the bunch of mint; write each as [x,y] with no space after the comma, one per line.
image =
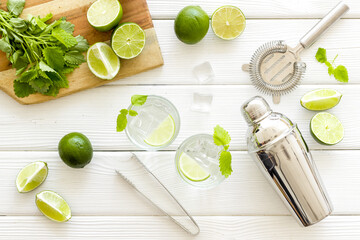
[136,100]
[340,72]
[222,138]
[41,53]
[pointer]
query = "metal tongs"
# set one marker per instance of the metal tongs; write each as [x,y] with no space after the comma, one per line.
[151,176]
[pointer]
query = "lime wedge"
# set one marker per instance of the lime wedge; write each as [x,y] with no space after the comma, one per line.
[53,206]
[163,134]
[102,61]
[228,22]
[104,15]
[128,40]
[326,128]
[320,99]
[191,169]
[31,176]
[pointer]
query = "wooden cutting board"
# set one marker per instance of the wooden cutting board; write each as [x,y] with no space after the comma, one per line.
[75,11]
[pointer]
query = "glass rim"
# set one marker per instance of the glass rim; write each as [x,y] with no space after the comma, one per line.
[177,126]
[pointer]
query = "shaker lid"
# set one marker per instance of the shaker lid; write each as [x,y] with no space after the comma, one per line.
[254,109]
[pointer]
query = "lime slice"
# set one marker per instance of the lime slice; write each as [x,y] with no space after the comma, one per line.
[102,61]
[104,15]
[128,40]
[326,128]
[191,169]
[53,206]
[163,134]
[321,99]
[228,22]
[31,176]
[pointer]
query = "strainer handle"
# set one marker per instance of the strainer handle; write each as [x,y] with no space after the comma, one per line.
[325,23]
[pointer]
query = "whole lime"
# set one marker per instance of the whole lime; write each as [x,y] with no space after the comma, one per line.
[75,150]
[191,24]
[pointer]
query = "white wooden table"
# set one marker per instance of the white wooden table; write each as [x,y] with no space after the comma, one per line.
[244,206]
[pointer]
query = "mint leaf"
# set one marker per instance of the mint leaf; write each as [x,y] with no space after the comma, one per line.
[64,37]
[221,136]
[67,26]
[47,17]
[74,57]
[54,57]
[225,163]
[40,84]
[22,89]
[82,44]
[15,6]
[121,121]
[138,100]
[124,111]
[133,113]
[28,76]
[321,55]
[5,46]
[341,74]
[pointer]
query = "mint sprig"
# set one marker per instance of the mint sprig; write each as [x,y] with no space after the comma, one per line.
[222,138]
[121,122]
[340,72]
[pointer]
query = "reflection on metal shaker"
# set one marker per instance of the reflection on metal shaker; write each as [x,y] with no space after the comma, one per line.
[278,148]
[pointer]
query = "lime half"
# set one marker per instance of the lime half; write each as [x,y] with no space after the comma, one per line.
[31,176]
[53,206]
[102,61]
[321,99]
[326,128]
[163,134]
[128,40]
[104,15]
[228,22]
[191,169]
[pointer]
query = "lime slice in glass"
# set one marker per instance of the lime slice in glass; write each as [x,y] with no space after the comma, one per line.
[163,133]
[53,206]
[104,15]
[191,169]
[320,99]
[128,40]
[102,61]
[228,22]
[31,176]
[326,128]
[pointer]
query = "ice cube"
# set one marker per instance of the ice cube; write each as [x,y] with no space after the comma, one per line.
[201,102]
[204,73]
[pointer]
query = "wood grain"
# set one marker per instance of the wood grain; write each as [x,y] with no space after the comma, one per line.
[160,228]
[227,57]
[94,112]
[245,192]
[82,78]
[289,9]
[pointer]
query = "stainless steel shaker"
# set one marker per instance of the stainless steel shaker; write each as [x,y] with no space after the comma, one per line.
[278,148]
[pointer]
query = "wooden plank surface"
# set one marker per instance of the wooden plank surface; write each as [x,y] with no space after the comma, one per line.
[245,192]
[289,9]
[94,113]
[244,206]
[160,228]
[82,78]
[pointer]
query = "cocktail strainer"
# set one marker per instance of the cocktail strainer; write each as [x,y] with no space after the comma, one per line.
[276,69]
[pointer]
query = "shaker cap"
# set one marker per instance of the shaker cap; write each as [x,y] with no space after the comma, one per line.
[254,109]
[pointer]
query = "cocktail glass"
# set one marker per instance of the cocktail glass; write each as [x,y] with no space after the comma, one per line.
[197,161]
[156,126]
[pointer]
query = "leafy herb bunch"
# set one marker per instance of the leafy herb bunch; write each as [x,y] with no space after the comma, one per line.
[42,53]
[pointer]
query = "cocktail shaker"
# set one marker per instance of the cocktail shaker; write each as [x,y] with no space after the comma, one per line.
[278,148]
